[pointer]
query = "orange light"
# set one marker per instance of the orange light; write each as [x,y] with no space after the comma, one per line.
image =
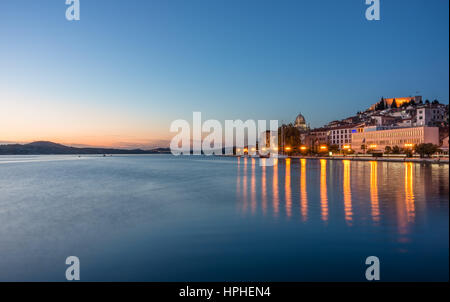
[408,145]
[238,150]
[323,148]
[264,148]
[346,147]
[253,149]
[372,146]
[245,150]
[303,148]
[287,148]
[275,148]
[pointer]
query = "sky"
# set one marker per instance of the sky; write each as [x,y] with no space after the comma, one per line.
[128,68]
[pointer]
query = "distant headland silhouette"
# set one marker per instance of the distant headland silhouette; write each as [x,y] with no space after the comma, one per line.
[45,147]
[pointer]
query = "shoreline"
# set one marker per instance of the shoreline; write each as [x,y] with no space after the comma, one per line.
[383,159]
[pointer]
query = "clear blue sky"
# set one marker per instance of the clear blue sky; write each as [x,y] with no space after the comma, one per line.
[130,67]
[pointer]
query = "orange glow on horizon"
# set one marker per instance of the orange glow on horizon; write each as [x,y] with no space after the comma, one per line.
[79,124]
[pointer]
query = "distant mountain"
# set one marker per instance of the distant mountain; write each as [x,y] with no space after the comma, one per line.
[43,147]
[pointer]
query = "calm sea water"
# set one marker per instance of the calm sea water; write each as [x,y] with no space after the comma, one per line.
[165,218]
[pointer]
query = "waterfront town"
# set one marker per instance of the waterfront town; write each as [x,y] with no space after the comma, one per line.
[405,125]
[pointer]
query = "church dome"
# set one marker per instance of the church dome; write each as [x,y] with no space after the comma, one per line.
[300,120]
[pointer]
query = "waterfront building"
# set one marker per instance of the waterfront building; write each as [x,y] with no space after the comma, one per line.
[335,124]
[444,146]
[317,137]
[267,137]
[342,136]
[406,122]
[430,115]
[384,120]
[377,138]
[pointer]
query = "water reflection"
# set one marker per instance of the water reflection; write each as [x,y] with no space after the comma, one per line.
[409,193]
[253,187]
[347,193]
[374,191]
[276,201]
[244,186]
[303,192]
[263,187]
[258,191]
[287,188]
[323,190]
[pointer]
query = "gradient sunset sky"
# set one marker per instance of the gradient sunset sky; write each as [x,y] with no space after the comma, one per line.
[128,68]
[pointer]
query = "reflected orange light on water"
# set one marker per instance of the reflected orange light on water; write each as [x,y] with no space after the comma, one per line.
[276,201]
[303,192]
[253,187]
[409,192]
[263,188]
[323,190]
[374,191]
[287,188]
[244,186]
[238,177]
[347,193]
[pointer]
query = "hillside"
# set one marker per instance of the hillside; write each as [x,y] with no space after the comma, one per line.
[43,147]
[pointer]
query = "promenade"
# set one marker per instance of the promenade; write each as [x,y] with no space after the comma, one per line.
[433,160]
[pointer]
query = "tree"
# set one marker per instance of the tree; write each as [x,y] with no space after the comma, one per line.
[395,150]
[388,149]
[427,102]
[408,152]
[334,148]
[380,105]
[291,136]
[426,150]
[394,104]
[435,102]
